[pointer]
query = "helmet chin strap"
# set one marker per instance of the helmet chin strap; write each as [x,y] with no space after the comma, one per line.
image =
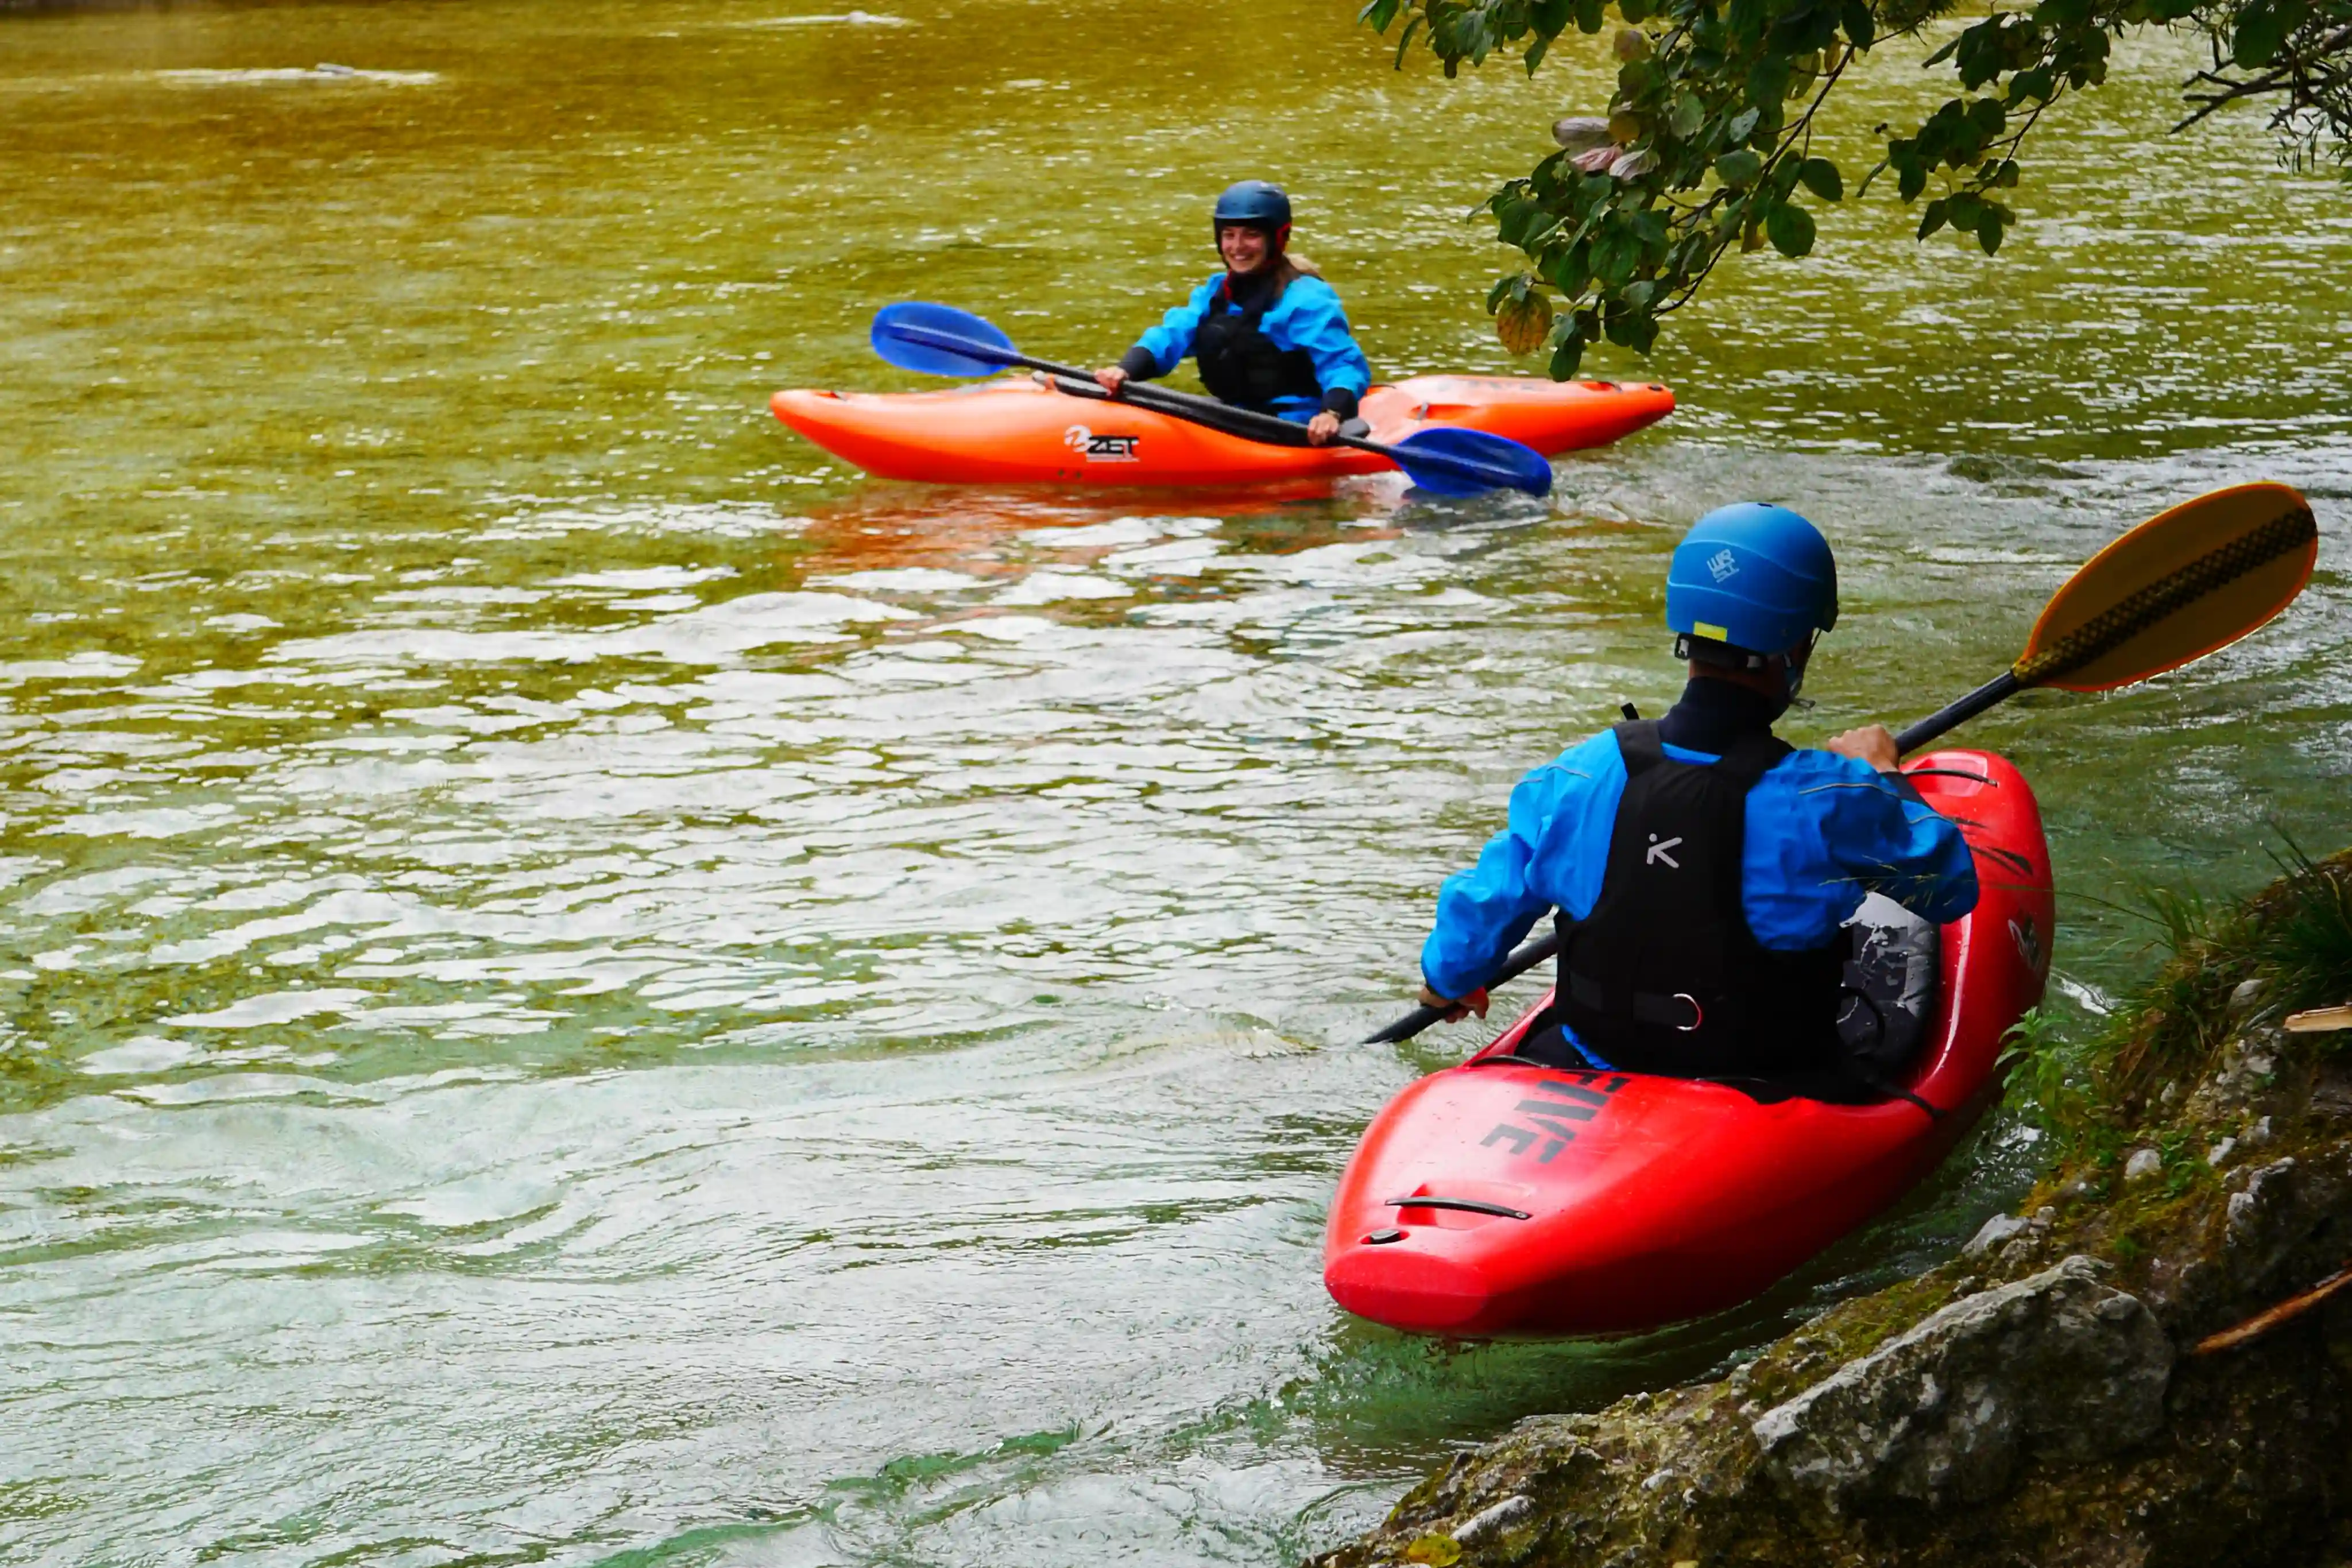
[1796,665]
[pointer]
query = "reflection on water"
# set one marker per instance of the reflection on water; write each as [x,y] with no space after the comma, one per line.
[581,986]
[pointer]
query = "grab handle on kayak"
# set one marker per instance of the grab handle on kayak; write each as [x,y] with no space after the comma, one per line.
[1466,1205]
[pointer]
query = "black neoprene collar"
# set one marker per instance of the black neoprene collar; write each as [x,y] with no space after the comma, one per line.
[1712,713]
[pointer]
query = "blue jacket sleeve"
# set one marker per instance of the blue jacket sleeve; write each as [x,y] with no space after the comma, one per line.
[1852,831]
[1541,859]
[1310,318]
[1167,343]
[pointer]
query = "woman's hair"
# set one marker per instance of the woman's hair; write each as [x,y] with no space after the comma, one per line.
[1292,265]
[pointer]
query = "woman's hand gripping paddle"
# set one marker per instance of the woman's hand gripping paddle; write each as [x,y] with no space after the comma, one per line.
[940,341]
[2183,584]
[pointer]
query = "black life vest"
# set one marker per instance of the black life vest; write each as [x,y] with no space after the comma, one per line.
[1664,975]
[1239,363]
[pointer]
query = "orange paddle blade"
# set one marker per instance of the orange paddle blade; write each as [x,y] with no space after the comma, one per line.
[2180,586]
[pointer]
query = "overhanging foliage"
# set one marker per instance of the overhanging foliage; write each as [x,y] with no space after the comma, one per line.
[1708,140]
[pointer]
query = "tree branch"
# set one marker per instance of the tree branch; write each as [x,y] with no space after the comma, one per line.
[2291,76]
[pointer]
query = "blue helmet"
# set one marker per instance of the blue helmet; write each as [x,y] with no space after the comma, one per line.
[1754,576]
[1255,202]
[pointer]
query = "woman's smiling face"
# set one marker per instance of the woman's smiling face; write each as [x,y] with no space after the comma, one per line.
[1245,246]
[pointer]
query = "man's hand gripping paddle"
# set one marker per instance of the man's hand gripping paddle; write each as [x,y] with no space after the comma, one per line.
[2181,585]
[940,341]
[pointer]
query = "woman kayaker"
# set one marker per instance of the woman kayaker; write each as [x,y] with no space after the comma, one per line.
[1268,332]
[1702,869]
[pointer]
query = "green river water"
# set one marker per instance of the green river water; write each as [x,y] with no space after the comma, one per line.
[583,986]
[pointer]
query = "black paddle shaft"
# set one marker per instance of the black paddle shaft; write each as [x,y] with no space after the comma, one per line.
[1518,963]
[2001,686]
[1214,417]
[1205,411]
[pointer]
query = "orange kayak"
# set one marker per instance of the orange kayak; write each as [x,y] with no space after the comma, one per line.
[1024,432]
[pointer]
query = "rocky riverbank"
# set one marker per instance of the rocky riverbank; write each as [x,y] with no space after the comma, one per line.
[2149,1364]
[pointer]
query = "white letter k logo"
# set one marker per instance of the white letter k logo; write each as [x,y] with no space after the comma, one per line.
[1658,853]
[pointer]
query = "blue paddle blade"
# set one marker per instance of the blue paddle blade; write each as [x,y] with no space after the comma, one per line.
[1448,461]
[940,341]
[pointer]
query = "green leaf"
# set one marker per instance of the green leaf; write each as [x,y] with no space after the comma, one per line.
[1988,233]
[1404,40]
[1635,78]
[1687,115]
[1767,80]
[1379,14]
[1503,287]
[1511,215]
[2037,84]
[1567,358]
[1799,34]
[1860,27]
[1614,257]
[2262,28]
[1965,209]
[1739,167]
[1980,55]
[1737,128]
[1789,228]
[1909,181]
[1638,295]
[1591,16]
[1551,18]
[1934,217]
[1523,221]
[1634,11]
[1821,177]
[1570,270]
[1535,52]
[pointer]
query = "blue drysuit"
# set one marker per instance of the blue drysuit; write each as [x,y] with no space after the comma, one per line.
[1307,317]
[1821,830]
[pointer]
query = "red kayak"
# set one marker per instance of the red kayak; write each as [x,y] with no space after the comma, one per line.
[1501,1196]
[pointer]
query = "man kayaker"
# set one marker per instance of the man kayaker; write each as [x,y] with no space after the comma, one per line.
[1268,332]
[1702,869]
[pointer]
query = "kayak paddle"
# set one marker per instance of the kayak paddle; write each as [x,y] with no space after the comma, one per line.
[2183,584]
[941,340]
